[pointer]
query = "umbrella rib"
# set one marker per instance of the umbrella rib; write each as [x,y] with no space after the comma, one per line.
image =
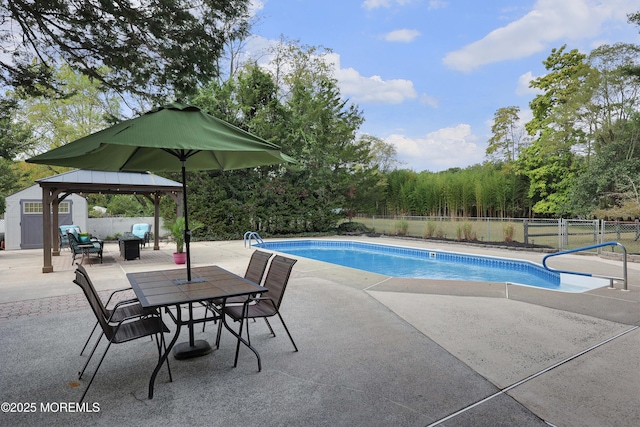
[181,154]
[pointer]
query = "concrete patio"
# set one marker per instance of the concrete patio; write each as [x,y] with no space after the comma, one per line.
[374,350]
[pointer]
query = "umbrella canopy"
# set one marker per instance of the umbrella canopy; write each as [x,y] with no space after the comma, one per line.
[159,139]
[175,137]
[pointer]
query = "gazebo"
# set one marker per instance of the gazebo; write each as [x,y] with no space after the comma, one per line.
[56,188]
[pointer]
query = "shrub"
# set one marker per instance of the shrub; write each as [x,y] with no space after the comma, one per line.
[469,233]
[508,230]
[402,227]
[429,230]
[459,233]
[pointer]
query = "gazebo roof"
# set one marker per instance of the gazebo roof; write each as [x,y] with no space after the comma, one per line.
[92,181]
[56,188]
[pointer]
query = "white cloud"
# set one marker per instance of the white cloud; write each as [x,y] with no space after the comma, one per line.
[549,21]
[404,35]
[523,85]
[255,6]
[371,89]
[437,4]
[429,100]
[440,150]
[375,4]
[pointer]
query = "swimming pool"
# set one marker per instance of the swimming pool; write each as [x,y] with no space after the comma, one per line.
[399,261]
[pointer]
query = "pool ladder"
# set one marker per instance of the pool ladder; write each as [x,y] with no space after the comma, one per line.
[252,235]
[611,279]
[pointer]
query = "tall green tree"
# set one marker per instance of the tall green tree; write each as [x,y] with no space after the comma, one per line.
[550,162]
[509,136]
[298,106]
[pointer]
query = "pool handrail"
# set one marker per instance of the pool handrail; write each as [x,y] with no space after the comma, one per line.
[252,235]
[585,248]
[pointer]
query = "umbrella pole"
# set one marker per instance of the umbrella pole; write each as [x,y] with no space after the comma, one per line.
[193,348]
[187,232]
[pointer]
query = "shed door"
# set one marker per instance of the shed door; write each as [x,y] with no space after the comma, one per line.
[31,222]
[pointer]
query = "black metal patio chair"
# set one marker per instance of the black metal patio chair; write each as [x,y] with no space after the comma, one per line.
[122,309]
[264,306]
[127,329]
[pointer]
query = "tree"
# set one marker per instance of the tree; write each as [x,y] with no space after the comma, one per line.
[617,95]
[15,136]
[633,69]
[550,162]
[83,109]
[508,135]
[142,47]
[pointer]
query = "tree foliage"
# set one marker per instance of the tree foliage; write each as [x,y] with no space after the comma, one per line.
[143,47]
[509,136]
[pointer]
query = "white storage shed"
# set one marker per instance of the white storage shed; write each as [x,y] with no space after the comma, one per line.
[23,217]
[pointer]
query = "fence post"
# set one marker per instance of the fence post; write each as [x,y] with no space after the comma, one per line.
[525,224]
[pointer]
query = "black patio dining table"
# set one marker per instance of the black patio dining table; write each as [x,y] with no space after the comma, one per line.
[168,288]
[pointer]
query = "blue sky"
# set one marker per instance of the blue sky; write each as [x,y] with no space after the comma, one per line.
[430,74]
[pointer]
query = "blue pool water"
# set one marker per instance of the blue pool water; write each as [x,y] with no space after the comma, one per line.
[398,261]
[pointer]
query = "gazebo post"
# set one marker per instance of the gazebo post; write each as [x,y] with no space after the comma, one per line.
[54,227]
[156,221]
[46,230]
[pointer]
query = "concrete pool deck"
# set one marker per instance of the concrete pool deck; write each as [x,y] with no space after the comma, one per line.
[374,350]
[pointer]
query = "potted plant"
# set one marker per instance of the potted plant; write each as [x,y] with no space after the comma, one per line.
[176,229]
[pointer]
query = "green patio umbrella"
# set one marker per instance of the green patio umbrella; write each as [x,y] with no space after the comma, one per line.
[175,137]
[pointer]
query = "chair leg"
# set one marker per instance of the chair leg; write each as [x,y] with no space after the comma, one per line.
[161,343]
[235,361]
[287,330]
[89,357]
[269,325]
[89,338]
[94,372]
[219,332]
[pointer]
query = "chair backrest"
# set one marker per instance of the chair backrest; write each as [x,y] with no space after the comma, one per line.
[278,277]
[140,230]
[73,242]
[95,302]
[64,229]
[257,266]
[81,270]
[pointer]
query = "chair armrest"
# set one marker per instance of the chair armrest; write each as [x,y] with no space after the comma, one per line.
[115,292]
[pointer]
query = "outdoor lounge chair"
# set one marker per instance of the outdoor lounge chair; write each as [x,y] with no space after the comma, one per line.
[142,231]
[127,329]
[62,234]
[121,310]
[264,306]
[255,271]
[81,248]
